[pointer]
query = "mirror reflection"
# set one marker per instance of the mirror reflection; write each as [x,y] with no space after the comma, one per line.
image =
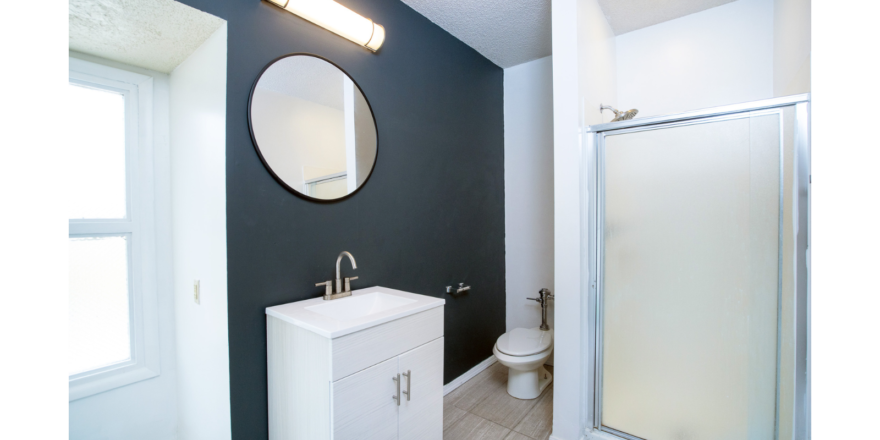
[313,127]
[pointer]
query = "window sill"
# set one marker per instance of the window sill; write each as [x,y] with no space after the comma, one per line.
[108,379]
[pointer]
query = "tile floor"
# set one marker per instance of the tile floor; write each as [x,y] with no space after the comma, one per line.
[481,409]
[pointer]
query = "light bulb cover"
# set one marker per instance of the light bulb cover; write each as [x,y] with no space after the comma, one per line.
[337,19]
[378,38]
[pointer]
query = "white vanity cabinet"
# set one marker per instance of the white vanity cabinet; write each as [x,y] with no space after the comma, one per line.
[328,382]
[364,406]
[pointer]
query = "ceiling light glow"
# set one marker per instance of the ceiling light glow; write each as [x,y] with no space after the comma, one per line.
[337,19]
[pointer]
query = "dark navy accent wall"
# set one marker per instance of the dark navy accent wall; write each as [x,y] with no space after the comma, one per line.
[431,214]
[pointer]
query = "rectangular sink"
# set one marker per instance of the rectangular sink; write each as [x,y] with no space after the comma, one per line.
[365,308]
[356,307]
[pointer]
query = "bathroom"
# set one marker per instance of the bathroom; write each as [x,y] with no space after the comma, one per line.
[477,242]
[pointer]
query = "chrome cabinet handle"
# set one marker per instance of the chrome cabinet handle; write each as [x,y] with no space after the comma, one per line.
[397,381]
[408,392]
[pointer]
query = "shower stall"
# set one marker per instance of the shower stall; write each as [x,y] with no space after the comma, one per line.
[696,262]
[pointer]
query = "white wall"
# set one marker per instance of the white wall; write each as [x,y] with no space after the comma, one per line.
[719,56]
[597,63]
[198,180]
[583,76]
[528,189]
[791,47]
[146,409]
[319,130]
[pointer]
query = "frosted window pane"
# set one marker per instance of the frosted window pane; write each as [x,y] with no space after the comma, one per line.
[97,139]
[98,311]
[690,281]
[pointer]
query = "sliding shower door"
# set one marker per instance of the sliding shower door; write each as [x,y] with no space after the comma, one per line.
[694,305]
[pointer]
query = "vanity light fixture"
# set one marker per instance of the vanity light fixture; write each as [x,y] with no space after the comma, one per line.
[337,19]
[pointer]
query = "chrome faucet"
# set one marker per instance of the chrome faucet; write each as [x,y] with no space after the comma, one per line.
[339,279]
[544,295]
[342,290]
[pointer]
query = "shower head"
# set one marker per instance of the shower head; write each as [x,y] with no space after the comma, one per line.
[619,115]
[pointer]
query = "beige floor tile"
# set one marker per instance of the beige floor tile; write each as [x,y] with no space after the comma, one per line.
[539,421]
[471,427]
[473,391]
[465,387]
[451,414]
[502,408]
[516,436]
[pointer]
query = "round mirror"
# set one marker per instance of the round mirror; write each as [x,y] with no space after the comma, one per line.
[312,127]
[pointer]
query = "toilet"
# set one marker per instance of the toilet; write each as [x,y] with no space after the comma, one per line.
[524,351]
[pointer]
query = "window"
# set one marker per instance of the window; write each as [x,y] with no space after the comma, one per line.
[113,326]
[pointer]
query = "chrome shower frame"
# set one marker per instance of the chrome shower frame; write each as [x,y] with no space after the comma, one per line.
[592,231]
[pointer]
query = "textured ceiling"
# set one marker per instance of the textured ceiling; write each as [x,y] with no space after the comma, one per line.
[154,34]
[629,15]
[507,32]
[304,77]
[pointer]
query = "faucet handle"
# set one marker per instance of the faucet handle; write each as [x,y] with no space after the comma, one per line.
[329,287]
[348,283]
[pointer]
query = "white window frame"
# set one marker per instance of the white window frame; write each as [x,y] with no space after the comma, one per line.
[138,225]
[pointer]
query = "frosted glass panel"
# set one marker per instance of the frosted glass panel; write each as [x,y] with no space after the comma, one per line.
[97,161]
[690,281]
[98,310]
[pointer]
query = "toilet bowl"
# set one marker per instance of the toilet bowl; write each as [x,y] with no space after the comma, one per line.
[524,351]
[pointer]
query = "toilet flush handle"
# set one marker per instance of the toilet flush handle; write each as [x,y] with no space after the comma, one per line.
[544,296]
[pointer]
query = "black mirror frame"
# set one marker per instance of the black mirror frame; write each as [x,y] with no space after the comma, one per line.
[266,163]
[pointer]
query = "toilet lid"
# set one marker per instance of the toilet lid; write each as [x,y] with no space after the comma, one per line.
[524,341]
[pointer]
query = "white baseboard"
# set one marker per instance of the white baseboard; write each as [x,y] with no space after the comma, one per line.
[469,374]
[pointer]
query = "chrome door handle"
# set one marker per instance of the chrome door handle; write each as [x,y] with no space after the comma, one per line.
[397,381]
[408,392]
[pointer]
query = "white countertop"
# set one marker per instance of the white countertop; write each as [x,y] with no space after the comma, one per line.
[296,313]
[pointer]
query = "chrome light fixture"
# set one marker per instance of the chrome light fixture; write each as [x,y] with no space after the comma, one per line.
[337,19]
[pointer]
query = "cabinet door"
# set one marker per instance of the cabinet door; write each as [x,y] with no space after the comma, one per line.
[421,412]
[363,408]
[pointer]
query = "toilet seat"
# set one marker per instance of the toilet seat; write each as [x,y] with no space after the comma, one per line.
[522,360]
[524,342]
[523,352]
